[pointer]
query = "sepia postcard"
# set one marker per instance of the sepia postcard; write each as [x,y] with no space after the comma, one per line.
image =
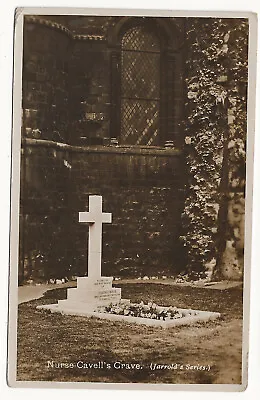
[132,164]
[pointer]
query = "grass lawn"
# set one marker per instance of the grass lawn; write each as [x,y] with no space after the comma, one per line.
[44,337]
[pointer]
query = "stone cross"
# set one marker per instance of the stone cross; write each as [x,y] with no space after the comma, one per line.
[95,217]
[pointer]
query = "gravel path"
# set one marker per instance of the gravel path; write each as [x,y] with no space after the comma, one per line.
[33,292]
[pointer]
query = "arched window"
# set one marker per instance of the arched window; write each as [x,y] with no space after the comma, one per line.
[147,69]
[140,87]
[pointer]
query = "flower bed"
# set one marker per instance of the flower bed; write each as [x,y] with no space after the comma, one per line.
[150,310]
[142,314]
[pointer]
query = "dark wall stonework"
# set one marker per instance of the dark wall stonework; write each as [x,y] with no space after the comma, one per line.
[142,188]
[45,83]
[143,192]
[44,216]
[89,92]
[70,73]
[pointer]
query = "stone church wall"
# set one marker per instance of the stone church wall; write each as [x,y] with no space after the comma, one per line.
[66,103]
[143,192]
[70,72]
[45,83]
[44,218]
[89,92]
[142,189]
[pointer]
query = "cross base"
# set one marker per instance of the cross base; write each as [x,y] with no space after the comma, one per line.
[90,295]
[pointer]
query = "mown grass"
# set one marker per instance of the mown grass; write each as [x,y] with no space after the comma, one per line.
[44,337]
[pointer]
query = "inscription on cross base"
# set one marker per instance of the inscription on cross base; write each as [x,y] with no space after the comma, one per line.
[95,218]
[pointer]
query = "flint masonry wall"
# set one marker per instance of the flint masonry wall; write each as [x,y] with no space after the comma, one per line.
[89,92]
[66,103]
[44,168]
[142,188]
[45,83]
[44,215]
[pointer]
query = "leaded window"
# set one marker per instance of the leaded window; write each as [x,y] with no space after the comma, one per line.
[140,87]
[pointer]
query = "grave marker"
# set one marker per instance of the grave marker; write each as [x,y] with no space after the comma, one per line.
[95,217]
[95,292]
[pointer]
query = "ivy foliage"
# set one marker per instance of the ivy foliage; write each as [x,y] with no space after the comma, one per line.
[215,130]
